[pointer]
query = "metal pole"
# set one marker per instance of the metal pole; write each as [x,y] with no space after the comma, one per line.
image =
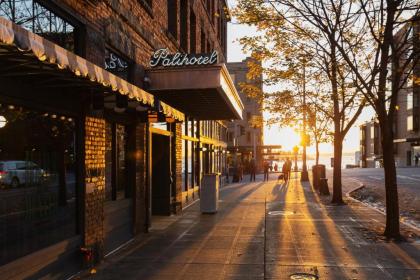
[304,175]
[255,145]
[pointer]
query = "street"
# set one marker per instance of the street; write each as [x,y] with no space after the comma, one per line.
[408,178]
[268,230]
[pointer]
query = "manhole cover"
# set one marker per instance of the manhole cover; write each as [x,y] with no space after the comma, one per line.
[280,213]
[303,276]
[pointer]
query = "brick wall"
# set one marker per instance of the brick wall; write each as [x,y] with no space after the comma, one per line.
[129,29]
[95,183]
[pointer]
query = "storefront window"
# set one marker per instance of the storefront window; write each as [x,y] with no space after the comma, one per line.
[39,20]
[410,123]
[184,165]
[190,164]
[116,188]
[117,65]
[410,101]
[37,181]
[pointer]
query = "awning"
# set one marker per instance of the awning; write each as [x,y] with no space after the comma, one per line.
[204,92]
[24,50]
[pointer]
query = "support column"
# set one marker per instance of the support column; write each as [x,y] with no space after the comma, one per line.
[94,158]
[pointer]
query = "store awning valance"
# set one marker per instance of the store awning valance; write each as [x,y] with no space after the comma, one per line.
[22,49]
[204,92]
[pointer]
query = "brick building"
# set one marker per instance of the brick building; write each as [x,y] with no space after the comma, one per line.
[244,134]
[96,139]
[407,114]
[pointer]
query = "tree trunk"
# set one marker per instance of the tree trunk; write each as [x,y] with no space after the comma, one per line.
[316,152]
[392,229]
[338,151]
[338,140]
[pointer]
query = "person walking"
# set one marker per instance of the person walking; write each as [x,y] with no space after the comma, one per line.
[253,169]
[266,168]
[284,170]
[416,159]
[289,167]
[240,172]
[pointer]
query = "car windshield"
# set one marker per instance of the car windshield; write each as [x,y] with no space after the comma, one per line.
[1,167]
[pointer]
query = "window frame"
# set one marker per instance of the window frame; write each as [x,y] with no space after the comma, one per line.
[147,6]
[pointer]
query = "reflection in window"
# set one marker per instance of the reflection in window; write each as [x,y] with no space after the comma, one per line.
[39,20]
[37,181]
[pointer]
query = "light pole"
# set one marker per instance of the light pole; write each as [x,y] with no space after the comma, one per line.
[254,152]
[304,175]
[295,152]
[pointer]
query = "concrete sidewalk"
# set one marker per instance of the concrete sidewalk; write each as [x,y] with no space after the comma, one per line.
[267,231]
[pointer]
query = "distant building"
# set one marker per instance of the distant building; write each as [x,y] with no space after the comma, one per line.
[370,145]
[244,134]
[406,122]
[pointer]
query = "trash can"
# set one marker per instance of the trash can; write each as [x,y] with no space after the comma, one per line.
[209,193]
[318,172]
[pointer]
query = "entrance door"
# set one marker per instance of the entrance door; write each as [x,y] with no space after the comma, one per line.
[161,175]
[119,203]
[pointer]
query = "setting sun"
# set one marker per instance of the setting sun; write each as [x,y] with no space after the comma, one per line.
[287,137]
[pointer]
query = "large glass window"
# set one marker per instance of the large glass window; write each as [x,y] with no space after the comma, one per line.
[37,181]
[184,165]
[173,18]
[410,123]
[38,19]
[410,101]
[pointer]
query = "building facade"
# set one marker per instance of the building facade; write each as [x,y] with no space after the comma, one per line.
[247,134]
[95,138]
[407,114]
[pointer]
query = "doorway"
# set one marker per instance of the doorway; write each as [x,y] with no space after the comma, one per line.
[161,175]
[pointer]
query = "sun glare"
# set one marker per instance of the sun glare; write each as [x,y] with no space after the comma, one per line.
[287,137]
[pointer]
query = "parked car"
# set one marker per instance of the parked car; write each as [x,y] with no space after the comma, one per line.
[17,172]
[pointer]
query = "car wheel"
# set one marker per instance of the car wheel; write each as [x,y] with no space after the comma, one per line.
[15,183]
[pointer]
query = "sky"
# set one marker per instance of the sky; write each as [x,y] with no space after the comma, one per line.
[286,136]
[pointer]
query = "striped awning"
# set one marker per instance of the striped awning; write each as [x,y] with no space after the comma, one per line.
[14,38]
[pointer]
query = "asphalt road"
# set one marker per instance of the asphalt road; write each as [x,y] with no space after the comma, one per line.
[408,178]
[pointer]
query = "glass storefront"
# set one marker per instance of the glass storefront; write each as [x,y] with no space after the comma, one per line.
[37,180]
[189,156]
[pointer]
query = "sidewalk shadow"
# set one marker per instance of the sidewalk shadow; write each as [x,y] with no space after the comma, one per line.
[183,248]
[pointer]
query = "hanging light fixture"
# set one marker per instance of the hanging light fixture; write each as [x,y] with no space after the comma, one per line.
[3,121]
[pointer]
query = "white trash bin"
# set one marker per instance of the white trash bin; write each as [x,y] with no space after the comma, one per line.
[209,193]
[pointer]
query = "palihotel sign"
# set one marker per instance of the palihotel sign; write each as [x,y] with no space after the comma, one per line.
[162,57]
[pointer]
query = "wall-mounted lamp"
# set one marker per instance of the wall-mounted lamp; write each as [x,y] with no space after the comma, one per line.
[3,121]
